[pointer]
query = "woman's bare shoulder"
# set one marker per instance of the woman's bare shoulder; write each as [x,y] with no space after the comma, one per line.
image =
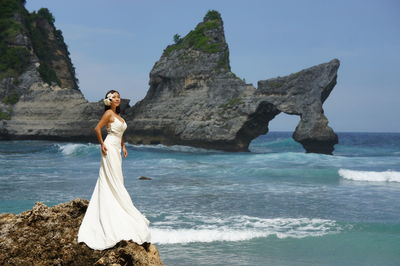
[108,112]
[107,115]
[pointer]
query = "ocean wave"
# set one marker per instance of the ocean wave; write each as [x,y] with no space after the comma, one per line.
[298,158]
[177,236]
[238,228]
[173,148]
[77,148]
[370,176]
[279,143]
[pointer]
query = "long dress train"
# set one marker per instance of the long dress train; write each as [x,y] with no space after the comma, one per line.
[111,215]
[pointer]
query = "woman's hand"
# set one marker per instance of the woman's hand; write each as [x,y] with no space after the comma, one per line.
[124,151]
[104,149]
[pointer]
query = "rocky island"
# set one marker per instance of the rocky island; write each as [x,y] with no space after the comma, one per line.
[193,98]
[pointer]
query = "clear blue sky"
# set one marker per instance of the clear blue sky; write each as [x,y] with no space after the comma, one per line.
[114,45]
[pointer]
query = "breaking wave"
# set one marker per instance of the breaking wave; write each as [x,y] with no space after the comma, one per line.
[239,228]
[370,176]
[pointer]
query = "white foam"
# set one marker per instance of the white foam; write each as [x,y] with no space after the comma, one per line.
[238,228]
[370,176]
[171,236]
[73,148]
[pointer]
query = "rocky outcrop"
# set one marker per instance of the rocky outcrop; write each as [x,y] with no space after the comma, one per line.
[303,94]
[52,113]
[32,50]
[52,51]
[194,99]
[48,236]
[49,112]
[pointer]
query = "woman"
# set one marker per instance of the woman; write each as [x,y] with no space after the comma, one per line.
[111,215]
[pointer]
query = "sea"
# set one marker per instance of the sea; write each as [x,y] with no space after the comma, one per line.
[274,205]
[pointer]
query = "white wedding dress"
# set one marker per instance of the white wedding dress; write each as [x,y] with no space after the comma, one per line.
[111,215]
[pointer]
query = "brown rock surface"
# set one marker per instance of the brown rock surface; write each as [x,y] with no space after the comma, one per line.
[48,236]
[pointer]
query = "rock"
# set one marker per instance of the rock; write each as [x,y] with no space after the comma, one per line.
[144,178]
[58,59]
[10,84]
[50,112]
[39,54]
[54,113]
[303,94]
[48,236]
[194,99]
[127,254]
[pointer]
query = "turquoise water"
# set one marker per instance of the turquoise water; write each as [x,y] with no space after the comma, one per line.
[275,205]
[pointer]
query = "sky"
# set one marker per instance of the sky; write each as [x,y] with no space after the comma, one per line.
[115,44]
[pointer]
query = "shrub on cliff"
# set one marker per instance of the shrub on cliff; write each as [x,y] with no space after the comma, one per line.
[13,60]
[17,23]
[197,38]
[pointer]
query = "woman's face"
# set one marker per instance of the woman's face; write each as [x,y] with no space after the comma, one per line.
[116,100]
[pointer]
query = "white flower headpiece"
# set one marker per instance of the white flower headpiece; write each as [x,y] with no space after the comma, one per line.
[108,99]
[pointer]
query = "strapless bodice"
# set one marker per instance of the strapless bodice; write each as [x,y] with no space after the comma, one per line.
[116,128]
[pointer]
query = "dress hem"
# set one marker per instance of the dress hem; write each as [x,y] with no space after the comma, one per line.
[112,245]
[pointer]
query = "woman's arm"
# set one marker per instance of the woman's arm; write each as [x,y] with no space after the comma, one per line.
[103,122]
[122,142]
[123,146]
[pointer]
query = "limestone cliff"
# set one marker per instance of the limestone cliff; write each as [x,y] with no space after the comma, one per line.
[48,236]
[193,98]
[39,92]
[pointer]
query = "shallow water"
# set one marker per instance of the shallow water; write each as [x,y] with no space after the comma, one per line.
[275,205]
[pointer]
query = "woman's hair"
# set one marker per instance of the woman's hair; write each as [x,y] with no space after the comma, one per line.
[109,107]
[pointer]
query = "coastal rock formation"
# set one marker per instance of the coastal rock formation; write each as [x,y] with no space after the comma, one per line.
[39,92]
[194,98]
[48,236]
[52,113]
[303,94]
[31,50]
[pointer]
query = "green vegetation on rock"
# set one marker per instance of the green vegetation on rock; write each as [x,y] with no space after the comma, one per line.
[276,83]
[197,38]
[13,60]
[17,23]
[11,98]
[4,116]
[44,13]
[9,7]
[232,102]
[213,15]
[224,61]
[42,46]
[177,38]
[295,75]
[46,49]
